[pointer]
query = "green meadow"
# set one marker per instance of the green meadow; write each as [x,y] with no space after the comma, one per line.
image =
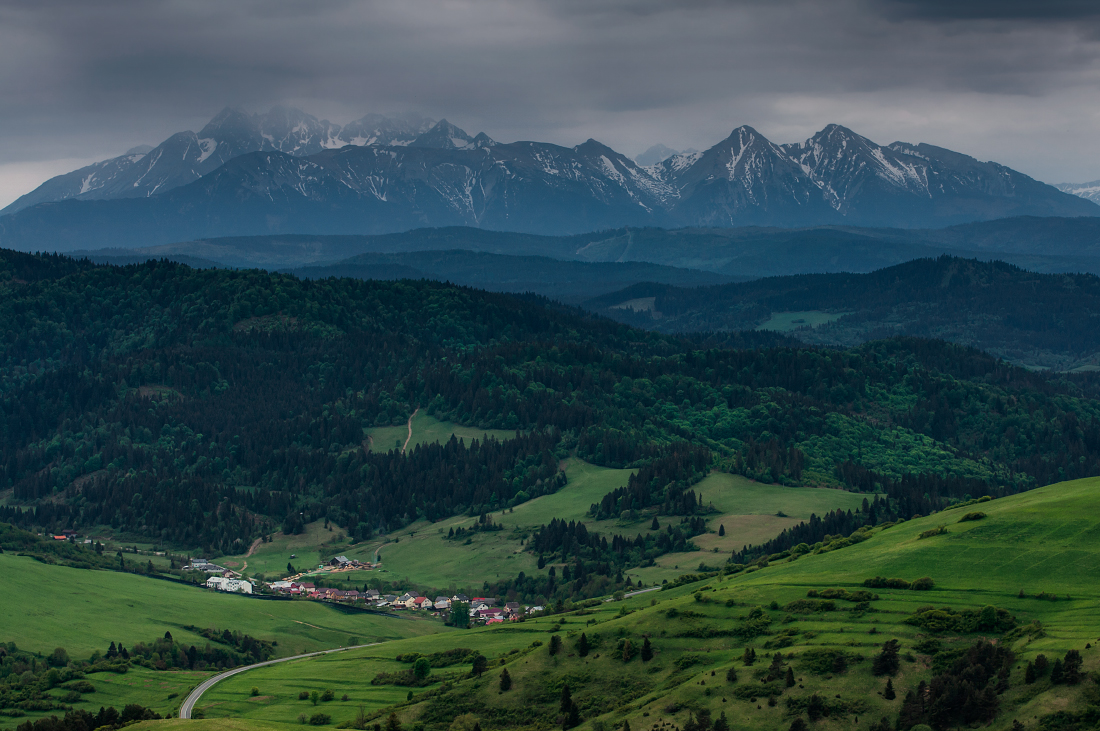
[84,611]
[427,430]
[1045,541]
[788,321]
[750,512]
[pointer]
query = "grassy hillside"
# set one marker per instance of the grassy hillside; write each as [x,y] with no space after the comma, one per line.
[1042,541]
[84,611]
[749,512]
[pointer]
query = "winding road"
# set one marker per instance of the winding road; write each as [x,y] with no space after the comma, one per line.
[190,701]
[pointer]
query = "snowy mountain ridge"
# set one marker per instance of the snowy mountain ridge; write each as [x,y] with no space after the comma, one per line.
[287,171]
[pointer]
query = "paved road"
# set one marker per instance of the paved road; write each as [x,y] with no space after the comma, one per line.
[635,593]
[189,702]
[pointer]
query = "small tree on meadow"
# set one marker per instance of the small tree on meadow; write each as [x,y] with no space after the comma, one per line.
[479,665]
[749,656]
[731,675]
[789,681]
[582,645]
[422,668]
[555,644]
[721,530]
[647,650]
[889,693]
[505,680]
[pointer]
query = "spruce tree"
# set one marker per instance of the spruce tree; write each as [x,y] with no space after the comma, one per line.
[731,675]
[1029,674]
[721,530]
[566,699]
[749,656]
[626,725]
[1071,667]
[505,680]
[655,525]
[889,693]
[886,662]
[647,650]
[573,717]
[555,644]
[1056,672]
[582,645]
[721,723]
[790,678]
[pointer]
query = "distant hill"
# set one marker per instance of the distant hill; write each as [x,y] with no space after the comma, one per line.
[565,281]
[1038,320]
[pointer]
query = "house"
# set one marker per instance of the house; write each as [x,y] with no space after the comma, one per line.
[421,602]
[373,595]
[306,586]
[340,562]
[219,583]
[461,598]
[441,602]
[512,609]
[489,615]
[487,601]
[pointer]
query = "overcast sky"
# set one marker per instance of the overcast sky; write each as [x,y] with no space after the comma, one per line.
[1008,80]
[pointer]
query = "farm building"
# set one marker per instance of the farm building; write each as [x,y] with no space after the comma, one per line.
[231,585]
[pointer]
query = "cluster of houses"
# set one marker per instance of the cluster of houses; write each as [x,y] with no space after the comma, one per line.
[482,609]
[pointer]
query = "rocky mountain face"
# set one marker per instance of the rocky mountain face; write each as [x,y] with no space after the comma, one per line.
[287,172]
[186,156]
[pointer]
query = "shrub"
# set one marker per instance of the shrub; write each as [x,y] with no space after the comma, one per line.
[972,516]
[327,696]
[880,582]
[320,719]
[809,606]
[922,584]
[254,692]
[304,695]
[937,531]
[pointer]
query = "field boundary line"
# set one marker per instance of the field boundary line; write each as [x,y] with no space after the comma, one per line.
[193,697]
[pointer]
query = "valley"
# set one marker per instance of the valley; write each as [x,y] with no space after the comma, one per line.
[543,460]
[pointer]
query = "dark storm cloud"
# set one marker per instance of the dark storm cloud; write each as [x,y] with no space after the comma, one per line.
[84,79]
[1033,10]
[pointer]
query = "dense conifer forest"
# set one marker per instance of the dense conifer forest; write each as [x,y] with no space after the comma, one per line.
[205,408]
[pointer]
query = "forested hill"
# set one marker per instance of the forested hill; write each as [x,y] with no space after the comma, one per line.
[204,407]
[1043,320]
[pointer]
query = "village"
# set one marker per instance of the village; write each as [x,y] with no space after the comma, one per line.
[482,610]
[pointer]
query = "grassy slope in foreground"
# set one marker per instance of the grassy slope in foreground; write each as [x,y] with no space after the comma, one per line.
[1045,540]
[83,611]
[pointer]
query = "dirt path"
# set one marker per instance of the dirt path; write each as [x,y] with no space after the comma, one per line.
[409,438]
[251,550]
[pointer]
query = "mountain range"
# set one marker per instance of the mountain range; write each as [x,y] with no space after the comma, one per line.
[286,172]
[187,156]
